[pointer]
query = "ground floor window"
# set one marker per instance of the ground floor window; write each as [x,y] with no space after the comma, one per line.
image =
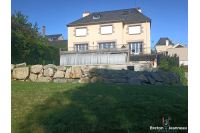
[107,45]
[135,47]
[81,47]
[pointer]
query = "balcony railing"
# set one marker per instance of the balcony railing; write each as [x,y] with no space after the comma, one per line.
[95,49]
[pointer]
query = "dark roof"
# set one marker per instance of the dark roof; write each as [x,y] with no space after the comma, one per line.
[59,42]
[131,15]
[53,36]
[179,46]
[162,41]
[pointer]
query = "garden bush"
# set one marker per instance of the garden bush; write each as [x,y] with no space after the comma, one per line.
[169,64]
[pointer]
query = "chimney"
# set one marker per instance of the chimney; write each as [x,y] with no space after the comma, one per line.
[167,42]
[86,13]
[43,31]
[172,41]
[139,9]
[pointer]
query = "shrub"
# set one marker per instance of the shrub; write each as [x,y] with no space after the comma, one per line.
[169,64]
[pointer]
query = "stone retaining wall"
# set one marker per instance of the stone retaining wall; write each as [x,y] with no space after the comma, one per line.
[84,74]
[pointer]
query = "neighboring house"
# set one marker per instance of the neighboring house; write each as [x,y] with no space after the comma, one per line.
[55,40]
[178,45]
[181,51]
[167,47]
[163,44]
[127,28]
[55,37]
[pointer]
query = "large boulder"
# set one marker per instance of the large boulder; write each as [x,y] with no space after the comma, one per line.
[86,72]
[61,68]
[94,79]
[33,77]
[121,80]
[73,72]
[49,72]
[151,80]
[21,73]
[167,81]
[20,65]
[12,66]
[44,79]
[36,69]
[143,78]
[100,79]
[156,76]
[158,83]
[162,73]
[134,81]
[67,73]
[176,76]
[61,80]
[59,74]
[112,80]
[84,80]
[41,74]
[49,66]
[132,75]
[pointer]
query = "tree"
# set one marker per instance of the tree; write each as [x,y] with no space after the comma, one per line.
[26,45]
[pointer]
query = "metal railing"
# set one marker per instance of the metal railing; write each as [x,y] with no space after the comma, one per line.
[120,48]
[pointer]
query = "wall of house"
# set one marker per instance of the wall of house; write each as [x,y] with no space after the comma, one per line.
[181,52]
[60,38]
[144,37]
[120,36]
[162,47]
[94,36]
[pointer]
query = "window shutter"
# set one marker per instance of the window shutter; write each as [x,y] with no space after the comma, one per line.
[134,29]
[81,32]
[106,29]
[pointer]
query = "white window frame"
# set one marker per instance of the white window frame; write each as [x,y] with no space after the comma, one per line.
[132,45]
[135,29]
[80,46]
[81,31]
[106,29]
[106,45]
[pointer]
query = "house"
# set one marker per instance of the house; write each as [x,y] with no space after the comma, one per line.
[181,51]
[56,40]
[167,47]
[179,45]
[128,28]
[163,44]
[55,37]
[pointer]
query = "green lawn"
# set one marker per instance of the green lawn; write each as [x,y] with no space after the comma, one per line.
[99,108]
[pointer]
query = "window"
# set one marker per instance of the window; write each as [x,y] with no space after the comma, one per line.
[107,45]
[126,12]
[81,32]
[135,29]
[135,48]
[106,29]
[96,16]
[81,47]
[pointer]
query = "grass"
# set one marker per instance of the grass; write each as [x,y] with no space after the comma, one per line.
[99,108]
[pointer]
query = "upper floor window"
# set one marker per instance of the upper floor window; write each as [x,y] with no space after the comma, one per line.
[135,29]
[81,31]
[106,29]
[126,12]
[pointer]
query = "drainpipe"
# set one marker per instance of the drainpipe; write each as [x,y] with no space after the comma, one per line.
[146,37]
